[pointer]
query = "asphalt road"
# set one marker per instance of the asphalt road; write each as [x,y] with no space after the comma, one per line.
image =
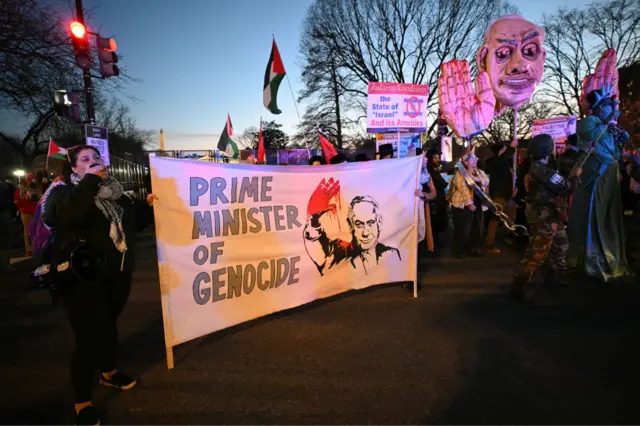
[462,352]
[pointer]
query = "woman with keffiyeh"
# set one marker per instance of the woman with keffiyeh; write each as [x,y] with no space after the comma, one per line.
[87,207]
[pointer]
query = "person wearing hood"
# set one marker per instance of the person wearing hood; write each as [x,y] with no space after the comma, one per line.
[548,235]
[596,230]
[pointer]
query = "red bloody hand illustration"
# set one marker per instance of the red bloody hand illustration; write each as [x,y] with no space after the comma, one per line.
[320,201]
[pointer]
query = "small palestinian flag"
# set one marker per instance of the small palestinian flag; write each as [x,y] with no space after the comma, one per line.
[328,149]
[226,143]
[272,77]
[56,152]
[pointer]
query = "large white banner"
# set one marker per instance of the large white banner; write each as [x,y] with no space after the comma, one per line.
[236,242]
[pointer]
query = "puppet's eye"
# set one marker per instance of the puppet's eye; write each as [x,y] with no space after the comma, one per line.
[530,51]
[503,53]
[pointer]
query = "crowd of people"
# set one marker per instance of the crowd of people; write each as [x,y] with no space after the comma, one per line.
[580,209]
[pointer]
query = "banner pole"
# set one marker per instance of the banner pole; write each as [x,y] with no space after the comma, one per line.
[415,219]
[170,363]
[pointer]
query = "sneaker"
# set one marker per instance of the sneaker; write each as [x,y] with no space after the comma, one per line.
[86,416]
[118,381]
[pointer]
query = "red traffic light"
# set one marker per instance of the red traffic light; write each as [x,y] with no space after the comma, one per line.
[77,29]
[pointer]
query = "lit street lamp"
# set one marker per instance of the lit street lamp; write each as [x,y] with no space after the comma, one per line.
[19,174]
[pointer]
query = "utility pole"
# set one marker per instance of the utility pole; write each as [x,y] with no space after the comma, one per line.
[86,73]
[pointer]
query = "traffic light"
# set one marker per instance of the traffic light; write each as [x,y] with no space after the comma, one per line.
[80,44]
[107,55]
[67,105]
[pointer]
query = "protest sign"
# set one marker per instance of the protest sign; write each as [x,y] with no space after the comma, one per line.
[293,157]
[404,144]
[98,138]
[238,242]
[559,128]
[397,107]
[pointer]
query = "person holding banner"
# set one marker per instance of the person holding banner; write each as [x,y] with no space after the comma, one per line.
[94,225]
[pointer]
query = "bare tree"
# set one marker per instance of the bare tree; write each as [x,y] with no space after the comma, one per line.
[36,59]
[501,128]
[575,40]
[402,41]
[272,134]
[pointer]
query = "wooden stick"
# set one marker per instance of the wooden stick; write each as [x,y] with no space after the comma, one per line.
[515,143]
[170,364]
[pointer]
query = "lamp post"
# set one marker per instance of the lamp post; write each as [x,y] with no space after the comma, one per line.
[19,174]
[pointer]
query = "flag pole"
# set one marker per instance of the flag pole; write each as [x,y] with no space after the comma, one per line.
[297,112]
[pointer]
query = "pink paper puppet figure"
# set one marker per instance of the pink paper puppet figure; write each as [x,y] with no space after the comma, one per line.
[513,56]
[605,78]
[466,112]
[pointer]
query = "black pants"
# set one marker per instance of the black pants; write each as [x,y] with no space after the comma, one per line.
[93,311]
[468,230]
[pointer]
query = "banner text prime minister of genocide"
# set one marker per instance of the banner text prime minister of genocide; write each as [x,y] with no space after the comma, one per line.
[233,281]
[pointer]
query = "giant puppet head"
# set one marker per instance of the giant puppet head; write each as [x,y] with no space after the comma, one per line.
[513,56]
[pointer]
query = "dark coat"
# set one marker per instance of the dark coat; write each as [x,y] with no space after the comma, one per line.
[440,219]
[72,213]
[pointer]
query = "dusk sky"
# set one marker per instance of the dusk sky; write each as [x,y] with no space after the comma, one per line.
[199,59]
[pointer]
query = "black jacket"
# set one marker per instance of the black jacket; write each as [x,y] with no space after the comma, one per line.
[500,177]
[72,213]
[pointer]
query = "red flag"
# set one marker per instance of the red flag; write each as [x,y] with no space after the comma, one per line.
[328,149]
[229,126]
[261,155]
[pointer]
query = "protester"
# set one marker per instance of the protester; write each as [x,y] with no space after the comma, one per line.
[338,159]
[568,159]
[316,160]
[439,205]
[426,194]
[6,221]
[26,198]
[632,214]
[467,208]
[596,229]
[521,191]
[547,229]
[94,225]
[500,174]
[385,151]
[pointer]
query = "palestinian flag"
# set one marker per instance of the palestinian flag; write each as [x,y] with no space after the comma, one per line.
[272,77]
[226,143]
[261,156]
[328,149]
[56,152]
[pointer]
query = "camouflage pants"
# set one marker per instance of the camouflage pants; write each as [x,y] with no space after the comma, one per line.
[545,243]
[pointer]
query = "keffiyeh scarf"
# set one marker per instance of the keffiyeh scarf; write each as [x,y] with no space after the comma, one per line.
[110,191]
